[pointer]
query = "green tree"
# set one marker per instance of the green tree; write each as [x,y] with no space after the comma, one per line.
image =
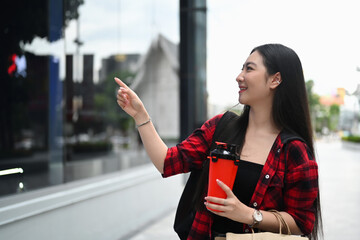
[313,98]
[334,114]
[322,116]
[314,103]
[328,117]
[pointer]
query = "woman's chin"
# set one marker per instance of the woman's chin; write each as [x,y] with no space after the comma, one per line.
[241,100]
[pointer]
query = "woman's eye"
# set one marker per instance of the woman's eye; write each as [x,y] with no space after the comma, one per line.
[247,68]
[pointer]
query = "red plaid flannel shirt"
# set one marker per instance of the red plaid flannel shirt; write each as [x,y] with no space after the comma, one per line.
[299,193]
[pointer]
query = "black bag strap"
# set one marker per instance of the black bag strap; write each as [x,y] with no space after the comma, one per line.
[220,127]
[185,212]
[287,137]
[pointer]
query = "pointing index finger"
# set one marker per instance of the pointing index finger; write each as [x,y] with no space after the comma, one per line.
[120,83]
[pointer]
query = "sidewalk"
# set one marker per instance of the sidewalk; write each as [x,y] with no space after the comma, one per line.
[160,230]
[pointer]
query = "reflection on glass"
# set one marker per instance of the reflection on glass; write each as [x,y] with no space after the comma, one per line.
[59,118]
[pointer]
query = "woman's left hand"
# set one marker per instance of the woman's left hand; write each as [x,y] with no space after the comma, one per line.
[231,207]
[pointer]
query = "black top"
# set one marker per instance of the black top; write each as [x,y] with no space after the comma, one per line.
[247,176]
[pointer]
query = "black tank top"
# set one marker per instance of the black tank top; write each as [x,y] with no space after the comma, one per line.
[246,179]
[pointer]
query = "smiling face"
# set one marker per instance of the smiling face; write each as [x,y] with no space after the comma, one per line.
[256,86]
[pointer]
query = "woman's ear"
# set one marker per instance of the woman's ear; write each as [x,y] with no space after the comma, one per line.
[275,80]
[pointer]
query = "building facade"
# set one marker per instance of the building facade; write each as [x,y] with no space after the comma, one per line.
[61,175]
[157,84]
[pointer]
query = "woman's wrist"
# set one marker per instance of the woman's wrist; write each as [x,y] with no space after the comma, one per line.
[144,123]
[249,216]
[141,118]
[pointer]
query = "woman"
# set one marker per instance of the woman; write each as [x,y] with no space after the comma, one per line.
[272,88]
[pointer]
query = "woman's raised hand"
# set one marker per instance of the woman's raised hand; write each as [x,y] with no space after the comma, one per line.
[132,105]
[129,101]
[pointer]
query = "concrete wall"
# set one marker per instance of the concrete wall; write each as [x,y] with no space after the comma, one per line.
[108,207]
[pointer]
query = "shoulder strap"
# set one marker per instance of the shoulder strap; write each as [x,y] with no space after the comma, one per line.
[185,212]
[287,137]
[222,126]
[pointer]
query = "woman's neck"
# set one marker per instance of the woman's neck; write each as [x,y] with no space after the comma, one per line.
[261,121]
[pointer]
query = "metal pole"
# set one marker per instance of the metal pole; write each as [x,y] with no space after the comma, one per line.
[193,94]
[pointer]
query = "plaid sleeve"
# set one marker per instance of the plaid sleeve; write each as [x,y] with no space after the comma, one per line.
[302,186]
[192,151]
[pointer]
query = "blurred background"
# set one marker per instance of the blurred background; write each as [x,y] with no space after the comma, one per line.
[72,161]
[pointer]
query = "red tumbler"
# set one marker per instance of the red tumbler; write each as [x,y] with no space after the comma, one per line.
[223,166]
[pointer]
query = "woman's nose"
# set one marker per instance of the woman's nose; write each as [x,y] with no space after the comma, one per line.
[240,77]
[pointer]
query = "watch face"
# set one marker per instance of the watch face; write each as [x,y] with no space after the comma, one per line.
[258,216]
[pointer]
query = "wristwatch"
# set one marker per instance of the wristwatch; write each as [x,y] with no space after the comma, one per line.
[257,217]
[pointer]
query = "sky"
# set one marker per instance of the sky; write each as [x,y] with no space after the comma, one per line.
[325,35]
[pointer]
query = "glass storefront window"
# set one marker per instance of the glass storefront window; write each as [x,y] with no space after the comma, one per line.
[59,118]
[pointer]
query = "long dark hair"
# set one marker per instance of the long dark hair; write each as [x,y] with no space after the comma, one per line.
[290,110]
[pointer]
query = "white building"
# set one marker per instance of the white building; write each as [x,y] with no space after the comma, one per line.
[157,84]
